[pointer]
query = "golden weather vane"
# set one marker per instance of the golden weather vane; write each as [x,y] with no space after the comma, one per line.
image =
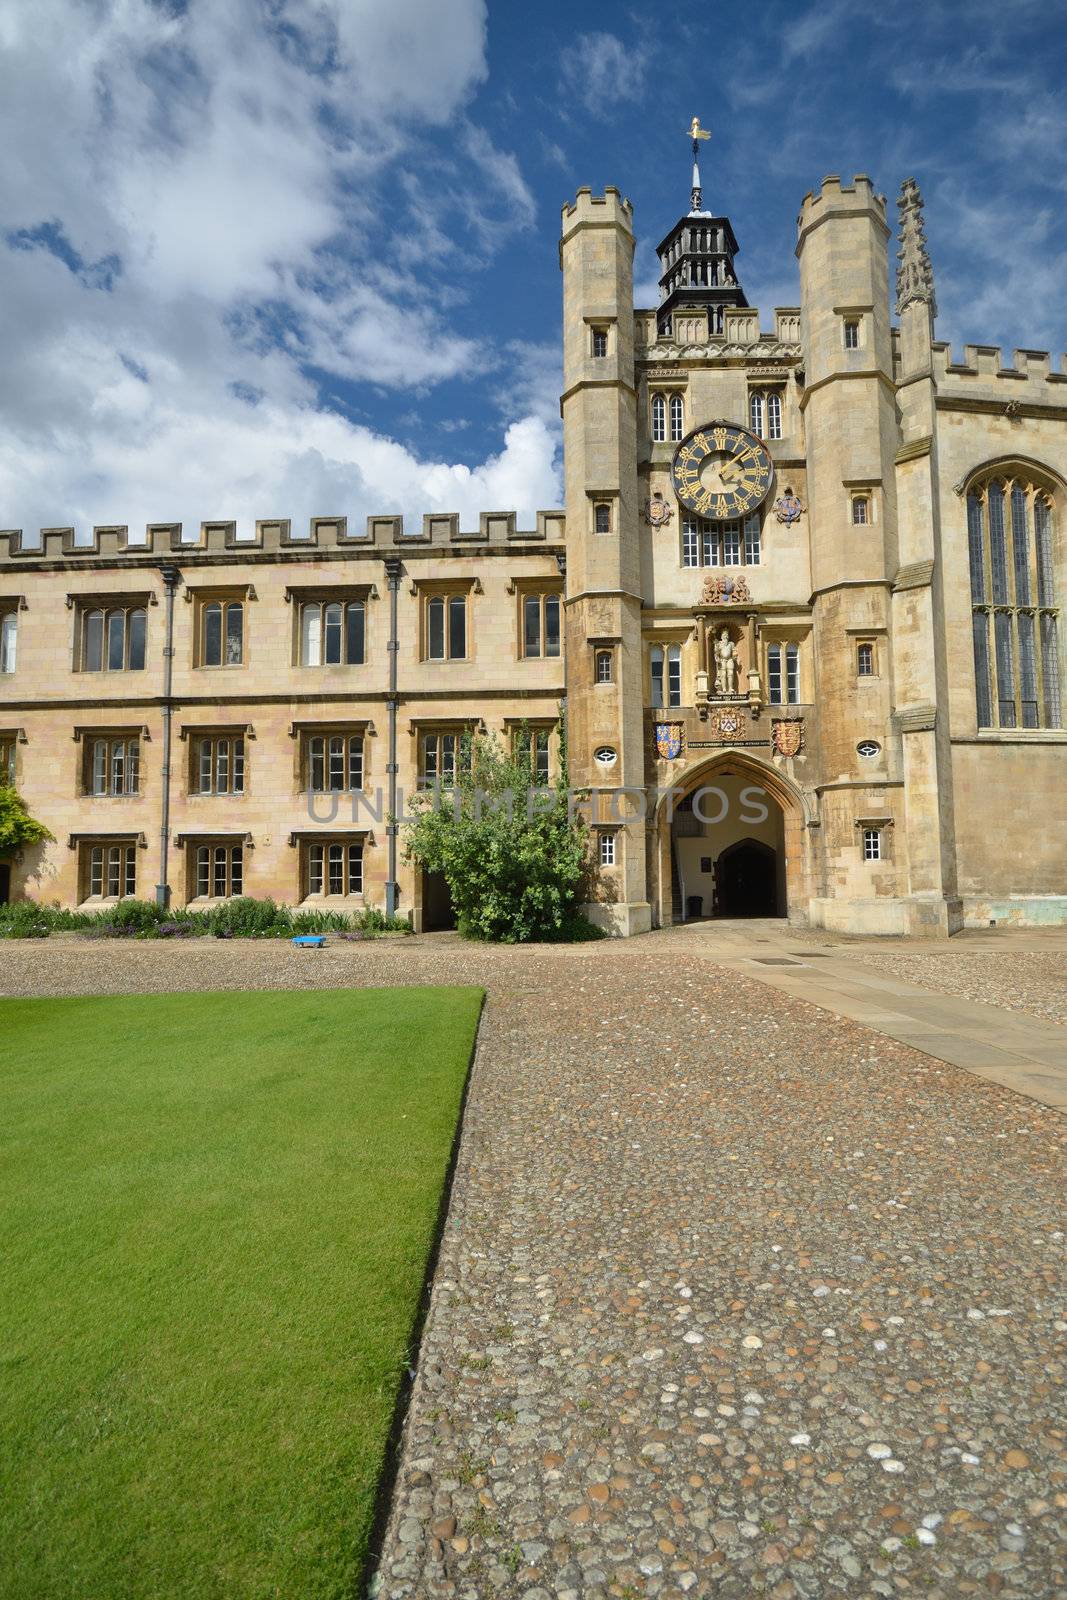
[696,133]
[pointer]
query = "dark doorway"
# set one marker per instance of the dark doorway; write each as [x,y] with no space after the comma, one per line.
[5,882]
[437,912]
[746,880]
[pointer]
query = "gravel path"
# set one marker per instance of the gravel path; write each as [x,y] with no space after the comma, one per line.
[735,1297]
[1034,981]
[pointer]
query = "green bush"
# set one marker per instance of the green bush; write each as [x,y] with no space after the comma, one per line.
[23,919]
[132,917]
[513,858]
[246,918]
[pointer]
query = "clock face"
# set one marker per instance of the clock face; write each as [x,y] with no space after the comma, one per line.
[721,471]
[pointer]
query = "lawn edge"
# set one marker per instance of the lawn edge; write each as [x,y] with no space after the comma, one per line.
[393,1453]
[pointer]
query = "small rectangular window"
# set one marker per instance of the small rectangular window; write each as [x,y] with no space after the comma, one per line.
[333,762]
[109,871]
[112,766]
[8,641]
[217,870]
[603,667]
[222,633]
[774,674]
[335,868]
[218,764]
[792,674]
[865,660]
[446,627]
[852,334]
[541,625]
[607,849]
[872,844]
[602,517]
[600,342]
[444,754]
[861,510]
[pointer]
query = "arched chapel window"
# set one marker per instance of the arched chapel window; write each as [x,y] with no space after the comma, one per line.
[659,418]
[677,418]
[1013,611]
[755,414]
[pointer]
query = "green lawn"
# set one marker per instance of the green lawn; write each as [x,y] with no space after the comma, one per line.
[215,1215]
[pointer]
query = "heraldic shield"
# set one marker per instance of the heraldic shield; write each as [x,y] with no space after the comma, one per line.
[668,740]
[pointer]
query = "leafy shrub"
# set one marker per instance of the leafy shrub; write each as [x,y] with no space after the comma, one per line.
[17,827]
[131,917]
[24,919]
[246,918]
[513,857]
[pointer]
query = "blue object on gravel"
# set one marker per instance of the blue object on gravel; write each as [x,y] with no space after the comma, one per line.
[310,941]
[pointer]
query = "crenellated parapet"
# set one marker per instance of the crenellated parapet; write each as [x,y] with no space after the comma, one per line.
[836,198]
[278,536]
[985,375]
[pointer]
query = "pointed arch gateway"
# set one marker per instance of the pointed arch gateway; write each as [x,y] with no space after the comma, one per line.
[737,844]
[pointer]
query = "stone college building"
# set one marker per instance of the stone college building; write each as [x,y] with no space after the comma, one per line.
[801,607]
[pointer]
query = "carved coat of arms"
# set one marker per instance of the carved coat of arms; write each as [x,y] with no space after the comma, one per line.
[728,722]
[721,590]
[669,740]
[657,512]
[787,508]
[787,738]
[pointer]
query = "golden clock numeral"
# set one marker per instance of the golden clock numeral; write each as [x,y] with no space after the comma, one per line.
[719,435]
[701,444]
[721,506]
[737,443]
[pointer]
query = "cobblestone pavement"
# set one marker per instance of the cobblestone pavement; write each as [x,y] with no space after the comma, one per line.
[1034,981]
[735,1297]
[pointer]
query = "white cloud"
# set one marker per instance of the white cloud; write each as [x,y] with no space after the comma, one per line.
[193,200]
[598,70]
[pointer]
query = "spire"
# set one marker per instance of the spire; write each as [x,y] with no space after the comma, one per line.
[915,276]
[696,133]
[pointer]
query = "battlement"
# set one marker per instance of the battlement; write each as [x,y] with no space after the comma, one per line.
[835,198]
[385,534]
[607,208]
[1029,370]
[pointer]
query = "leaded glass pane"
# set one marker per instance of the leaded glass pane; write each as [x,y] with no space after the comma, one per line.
[752,539]
[1043,535]
[114,867]
[755,414]
[531,608]
[333,634]
[238,766]
[435,620]
[774,416]
[355,869]
[792,673]
[1027,670]
[99,766]
[774,674]
[983,692]
[116,639]
[96,870]
[355,643]
[656,662]
[457,627]
[203,870]
[317,762]
[710,538]
[335,868]
[237,865]
[315,856]
[311,635]
[690,549]
[674,675]
[976,549]
[136,623]
[997,553]
[133,766]
[337,763]
[213,634]
[1020,546]
[1050,671]
[731,544]
[206,766]
[355,761]
[1005,668]
[234,634]
[552,633]
[8,641]
[130,885]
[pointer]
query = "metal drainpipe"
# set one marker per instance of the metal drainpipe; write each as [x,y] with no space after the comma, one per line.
[393,569]
[171,579]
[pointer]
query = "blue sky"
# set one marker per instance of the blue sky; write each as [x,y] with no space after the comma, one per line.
[299,257]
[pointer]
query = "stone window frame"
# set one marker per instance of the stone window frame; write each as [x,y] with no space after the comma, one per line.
[603,651]
[537,727]
[126,846]
[603,499]
[1001,655]
[194,735]
[212,841]
[10,760]
[423,728]
[605,327]
[347,729]
[106,604]
[881,825]
[760,394]
[111,735]
[301,595]
[10,606]
[426,590]
[202,597]
[609,840]
[349,841]
[545,588]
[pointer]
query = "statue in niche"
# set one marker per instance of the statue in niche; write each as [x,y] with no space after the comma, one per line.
[725,664]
